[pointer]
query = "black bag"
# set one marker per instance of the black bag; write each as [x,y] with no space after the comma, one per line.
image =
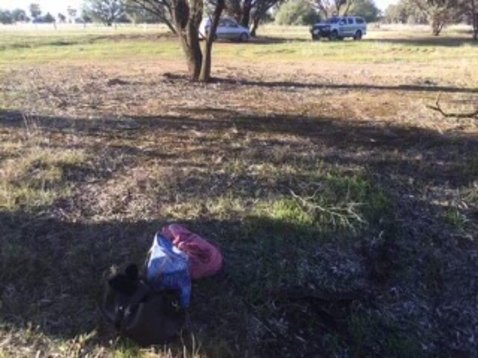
[139,313]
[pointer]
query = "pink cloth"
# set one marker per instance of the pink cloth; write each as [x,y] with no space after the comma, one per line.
[204,258]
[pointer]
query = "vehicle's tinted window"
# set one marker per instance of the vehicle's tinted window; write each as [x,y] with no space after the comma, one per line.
[359,20]
[229,23]
[350,21]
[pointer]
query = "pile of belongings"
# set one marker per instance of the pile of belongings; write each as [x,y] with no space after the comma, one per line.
[143,307]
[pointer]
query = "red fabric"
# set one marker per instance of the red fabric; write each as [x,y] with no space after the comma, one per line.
[204,258]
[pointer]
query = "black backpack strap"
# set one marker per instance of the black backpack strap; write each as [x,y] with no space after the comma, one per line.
[120,312]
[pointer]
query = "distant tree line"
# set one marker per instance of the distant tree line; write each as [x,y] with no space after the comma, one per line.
[35,15]
[436,13]
[10,17]
[307,12]
[251,13]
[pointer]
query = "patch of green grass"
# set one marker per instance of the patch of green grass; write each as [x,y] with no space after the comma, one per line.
[369,330]
[337,203]
[278,240]
[454,217]
[95,51]
[126,350]
[37,178]
[4,354]
[93,44]
[471,168]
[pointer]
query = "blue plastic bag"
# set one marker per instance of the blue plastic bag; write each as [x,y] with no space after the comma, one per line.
[168,269]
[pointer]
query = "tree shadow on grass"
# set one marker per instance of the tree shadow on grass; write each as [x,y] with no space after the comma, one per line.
[440,158]
[405,88]
[52,276]
[51,267]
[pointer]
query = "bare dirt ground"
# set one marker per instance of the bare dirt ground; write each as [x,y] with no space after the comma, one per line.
[346,209]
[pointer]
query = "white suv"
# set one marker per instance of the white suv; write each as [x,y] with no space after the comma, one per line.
[340,27]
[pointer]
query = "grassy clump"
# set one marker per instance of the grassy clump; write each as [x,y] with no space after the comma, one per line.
[37,178]
[370,330]
[336,203]
[454,217]
[471,168]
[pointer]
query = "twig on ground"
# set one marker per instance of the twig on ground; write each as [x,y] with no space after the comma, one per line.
[437,108]
[344,214]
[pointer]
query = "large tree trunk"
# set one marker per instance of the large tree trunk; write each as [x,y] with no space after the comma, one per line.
[246,13]
[474,15]
[207,61]
[437,25]
[475,26]
[255,25]
[192,50]
[187,16]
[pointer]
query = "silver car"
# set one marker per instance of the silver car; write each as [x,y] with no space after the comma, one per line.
[227,29]
[340,27]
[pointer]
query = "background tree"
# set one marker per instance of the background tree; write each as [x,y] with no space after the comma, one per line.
[84,18]
[299,12]
[187,16]
[405,12]
[439,12]
[106,11]
[470,12]
[48,18]
[6,17]
[72,13]
[19,15]
[366,9]
[61,17]
[328,8]
[35,11]
[261,13]
[152,11]
[250,13]
[395,14]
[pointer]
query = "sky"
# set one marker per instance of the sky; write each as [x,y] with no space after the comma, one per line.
[56,6]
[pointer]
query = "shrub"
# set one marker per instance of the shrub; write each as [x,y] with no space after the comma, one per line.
[297,13]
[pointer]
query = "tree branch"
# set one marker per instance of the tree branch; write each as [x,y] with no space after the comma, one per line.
[438,108]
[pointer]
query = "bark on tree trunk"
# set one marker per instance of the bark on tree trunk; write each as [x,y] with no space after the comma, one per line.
[187,17]
[437,26]
[205,75]
[255,25]
[193,53]
[475,27]
[246,13]
[474,15]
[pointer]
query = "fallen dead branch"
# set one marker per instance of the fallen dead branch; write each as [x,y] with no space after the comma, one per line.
[438,108]
[344,214]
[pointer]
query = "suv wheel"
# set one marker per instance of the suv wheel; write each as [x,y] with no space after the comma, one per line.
[316,37]
[334,35]
[358,35]
[244,37]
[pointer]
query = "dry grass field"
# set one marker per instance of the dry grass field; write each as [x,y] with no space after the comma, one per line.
[346,209]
